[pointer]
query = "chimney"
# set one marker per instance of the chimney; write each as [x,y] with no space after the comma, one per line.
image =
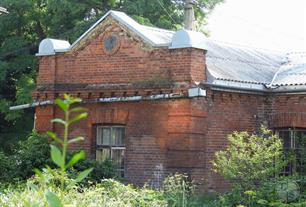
[189,15]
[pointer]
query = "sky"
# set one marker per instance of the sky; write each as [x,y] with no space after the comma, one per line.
[268,24]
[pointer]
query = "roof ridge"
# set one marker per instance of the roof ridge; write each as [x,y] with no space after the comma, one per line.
[158,29]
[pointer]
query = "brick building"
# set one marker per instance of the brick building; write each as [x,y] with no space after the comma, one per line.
[161,101]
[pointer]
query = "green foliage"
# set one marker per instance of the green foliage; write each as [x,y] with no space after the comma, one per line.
[250,160]
[107,193]
[100,170]
[252,163]
[20,164]
[178,190]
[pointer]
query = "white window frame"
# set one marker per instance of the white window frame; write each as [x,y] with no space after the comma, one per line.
[120,170]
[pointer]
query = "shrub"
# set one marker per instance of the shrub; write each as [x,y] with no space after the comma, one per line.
[100,170]
[250,160]
[34,152]
[5,166]
[30,153]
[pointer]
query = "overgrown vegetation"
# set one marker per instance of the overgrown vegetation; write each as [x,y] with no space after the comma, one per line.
[253,165]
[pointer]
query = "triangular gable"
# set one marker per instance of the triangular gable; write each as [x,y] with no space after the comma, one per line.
[154,36]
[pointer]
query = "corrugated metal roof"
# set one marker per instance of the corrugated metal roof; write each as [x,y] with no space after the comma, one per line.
[241,63]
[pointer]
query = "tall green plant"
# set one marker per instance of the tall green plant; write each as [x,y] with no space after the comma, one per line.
[59,156]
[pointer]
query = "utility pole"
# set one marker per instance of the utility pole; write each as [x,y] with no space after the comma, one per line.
[189,15]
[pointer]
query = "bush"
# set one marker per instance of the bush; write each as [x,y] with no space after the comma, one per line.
[27,155]
[250,160]
[34,152]
[108,193]
[100,170]
[5,166]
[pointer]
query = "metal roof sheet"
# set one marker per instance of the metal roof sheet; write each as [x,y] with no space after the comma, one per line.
[242,64]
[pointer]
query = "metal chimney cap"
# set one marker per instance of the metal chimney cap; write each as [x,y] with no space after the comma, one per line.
[51,46]
[189,39]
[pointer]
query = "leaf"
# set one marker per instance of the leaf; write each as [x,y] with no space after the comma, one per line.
[53,200]
[78,117]
[64,106]
[77,139]
[56,156]
[38,172]
[78,109]
[54,136]
[75,158]
[83,175]
[57,120]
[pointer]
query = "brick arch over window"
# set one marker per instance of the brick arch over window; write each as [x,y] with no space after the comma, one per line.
[288,119]
[108,116]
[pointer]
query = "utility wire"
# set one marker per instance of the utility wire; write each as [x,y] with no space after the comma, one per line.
[162,6]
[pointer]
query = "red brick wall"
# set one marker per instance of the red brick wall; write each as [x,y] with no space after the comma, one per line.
[288,111]
[135,62]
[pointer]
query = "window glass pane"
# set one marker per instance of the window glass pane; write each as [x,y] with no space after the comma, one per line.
[99,136]
[106,136]
[118,158]
[118,136]
[103,154]
[285,136]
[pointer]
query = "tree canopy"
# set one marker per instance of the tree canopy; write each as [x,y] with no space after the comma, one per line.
[30,21]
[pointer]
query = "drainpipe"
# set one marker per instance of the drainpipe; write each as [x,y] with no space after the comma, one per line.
[189,15]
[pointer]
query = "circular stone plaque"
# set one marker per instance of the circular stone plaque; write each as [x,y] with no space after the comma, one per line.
[110,44]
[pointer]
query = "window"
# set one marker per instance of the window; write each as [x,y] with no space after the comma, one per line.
[294,141]
[110,145]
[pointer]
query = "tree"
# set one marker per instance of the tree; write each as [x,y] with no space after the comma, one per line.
[250,160]
[30,21]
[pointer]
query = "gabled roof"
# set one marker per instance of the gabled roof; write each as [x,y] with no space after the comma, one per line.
[155,36]
[228,65]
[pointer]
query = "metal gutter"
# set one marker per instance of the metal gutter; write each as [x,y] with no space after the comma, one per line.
[107,100]
[37,103]
[239,89]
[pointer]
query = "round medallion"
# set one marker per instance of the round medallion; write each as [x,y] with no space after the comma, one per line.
[110,44]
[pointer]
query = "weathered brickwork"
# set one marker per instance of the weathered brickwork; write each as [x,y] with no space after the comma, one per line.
[162,136]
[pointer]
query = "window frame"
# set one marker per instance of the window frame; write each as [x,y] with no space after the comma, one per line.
[111,147]
[294,147]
